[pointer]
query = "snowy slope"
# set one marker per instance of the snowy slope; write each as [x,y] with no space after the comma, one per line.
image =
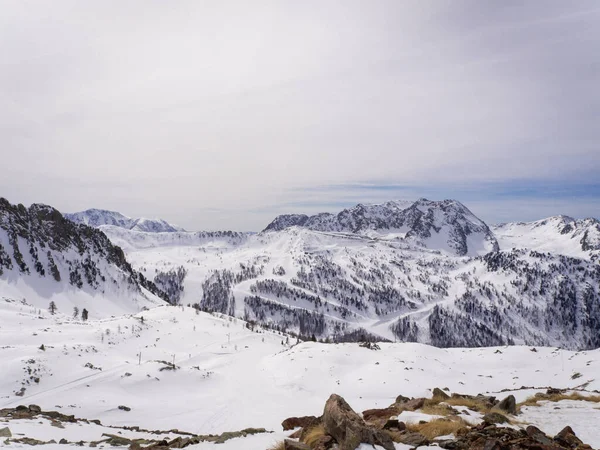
[99,217]
[229,378]
[135,239]
[447,225]
[559,234]
[334,285]
[44,258]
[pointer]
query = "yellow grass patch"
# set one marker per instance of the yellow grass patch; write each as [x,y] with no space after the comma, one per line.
[468,403]
[277,446]
[438,427]
[313,435]
[436,409]
[534,400]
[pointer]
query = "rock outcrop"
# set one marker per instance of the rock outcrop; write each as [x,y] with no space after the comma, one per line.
[348,428]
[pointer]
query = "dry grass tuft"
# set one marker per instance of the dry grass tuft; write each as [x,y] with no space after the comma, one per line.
[534,400]
[313,435]
[438,427]
[277,446]
[468,403]
[437,409]
[394,435]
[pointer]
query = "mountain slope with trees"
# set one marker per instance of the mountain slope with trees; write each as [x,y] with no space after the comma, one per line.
[46,257]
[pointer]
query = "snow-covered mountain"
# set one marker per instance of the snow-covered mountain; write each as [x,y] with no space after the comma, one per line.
[446,225]
[346,286]
[45,257]
[422,271]
[99,217]
[558,234]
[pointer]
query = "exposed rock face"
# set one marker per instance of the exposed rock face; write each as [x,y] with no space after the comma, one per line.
[286,221]
[538,435]
[385,413]
[412,438]
[410,405]
[288,444]
[5,432]
[490,437]
[302,422]
[348,429]
[439,394]
[42,241]
[508,405]
[420,220]
[567,438]
[494,417]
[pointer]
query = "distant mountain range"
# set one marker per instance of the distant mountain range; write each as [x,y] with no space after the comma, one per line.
[99,217]
[423,271]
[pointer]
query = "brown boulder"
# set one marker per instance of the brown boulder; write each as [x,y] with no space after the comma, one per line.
[348,428]
[412,438]
[508,405]
[490,437]
[494,417]
[324,443]
[438,394]
[394,424]
[538,435]
[567,438]
[296,434]
[288,444]
[295,422]
[35,409]
[492,444]
[410,405]
[402,399]
[385,413]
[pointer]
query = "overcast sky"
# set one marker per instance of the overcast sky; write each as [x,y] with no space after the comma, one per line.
[222,114]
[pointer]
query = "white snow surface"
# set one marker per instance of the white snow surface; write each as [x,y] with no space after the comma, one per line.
[229,378]
[558,234]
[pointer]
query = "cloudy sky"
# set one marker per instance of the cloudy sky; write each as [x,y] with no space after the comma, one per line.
[222,114]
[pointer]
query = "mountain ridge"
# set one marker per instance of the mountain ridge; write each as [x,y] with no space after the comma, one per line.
[49,256]
[442,224]
[393,271]
[101,217]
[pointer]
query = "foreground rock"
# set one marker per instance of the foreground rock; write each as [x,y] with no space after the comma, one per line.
[288,444]
[34,412]
[348,428]
[490,437]
[302,422]
[508,405]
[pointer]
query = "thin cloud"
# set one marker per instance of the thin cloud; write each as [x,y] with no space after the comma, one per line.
[215,114]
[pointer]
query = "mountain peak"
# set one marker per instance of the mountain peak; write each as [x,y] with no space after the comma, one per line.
[442,225]
[100,217]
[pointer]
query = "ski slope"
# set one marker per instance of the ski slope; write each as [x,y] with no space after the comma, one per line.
[229,378]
